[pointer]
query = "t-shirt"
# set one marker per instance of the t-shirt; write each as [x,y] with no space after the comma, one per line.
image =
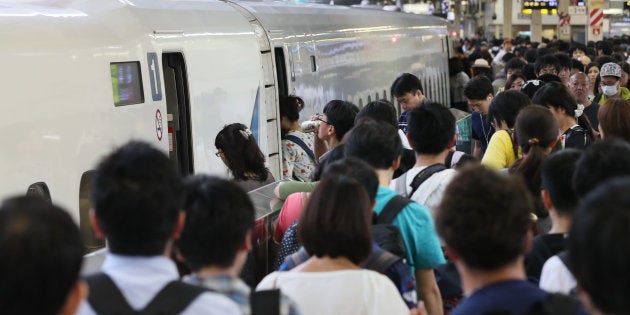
[591,113]
[543,247]
[555,277]
[430,192]
[290,212]
[360,291]
[575,137]
[481,130]
[417,230]
[297,163]
[515,296]
[500,152]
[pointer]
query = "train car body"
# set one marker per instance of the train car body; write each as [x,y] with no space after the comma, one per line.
[83,77]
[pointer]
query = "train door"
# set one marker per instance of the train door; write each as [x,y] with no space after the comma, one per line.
[178,112]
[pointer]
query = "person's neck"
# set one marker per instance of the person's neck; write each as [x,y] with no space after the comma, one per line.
[474,279]
[560,224]
[326,263]
[384,176]
[332,142]
[295,126]
[566,123]
[585,101]
[234,270]
[430,159]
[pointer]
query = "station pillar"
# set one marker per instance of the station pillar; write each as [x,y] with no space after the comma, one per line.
[563,7]
[507,19]
[536,27]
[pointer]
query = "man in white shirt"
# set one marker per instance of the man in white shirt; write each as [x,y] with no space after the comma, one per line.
[135,195]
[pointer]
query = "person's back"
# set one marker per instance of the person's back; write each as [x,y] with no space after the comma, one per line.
[136,193]
[486,235]
[41,254]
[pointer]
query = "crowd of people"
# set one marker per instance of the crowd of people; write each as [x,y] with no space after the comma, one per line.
[381,214]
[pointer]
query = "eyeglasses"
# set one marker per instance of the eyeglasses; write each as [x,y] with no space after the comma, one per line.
[320,119]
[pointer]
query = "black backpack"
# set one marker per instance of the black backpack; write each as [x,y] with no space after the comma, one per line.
[174,298]
[384,233]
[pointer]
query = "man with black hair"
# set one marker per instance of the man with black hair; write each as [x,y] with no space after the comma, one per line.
[599,248]
[337,119]
[512,66]
[408,91]
[217,237]
[547,64]
[432,136]
[136,198]
[565,67]
[479,94]
[486,236]
[41,252]
[560,200]
[378,144]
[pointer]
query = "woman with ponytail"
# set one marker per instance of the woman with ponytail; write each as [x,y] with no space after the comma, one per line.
[536,133]
[575,128]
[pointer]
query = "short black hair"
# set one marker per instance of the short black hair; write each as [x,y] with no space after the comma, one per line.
[218,216]
[547,60]
[406,83]
[486,230]
[557,95]
[430,128]
[514,63]
[506,105]
[357,169]
[241,152]
[601,161]
[563,59]
[136,196]
[599,246]
[549,77]
[478,88]
[290,107]
[41,253]
[576,64]
[341,115]
[556,176]
[381,110]
[336,220]
[374,142]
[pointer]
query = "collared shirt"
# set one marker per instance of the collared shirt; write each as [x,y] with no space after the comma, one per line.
[237,291]
[140,278]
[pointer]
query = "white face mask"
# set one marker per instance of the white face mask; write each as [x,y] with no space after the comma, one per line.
[609,90]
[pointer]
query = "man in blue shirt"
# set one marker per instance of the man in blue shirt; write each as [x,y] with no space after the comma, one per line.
[408,91]
[479,94]
[485,222]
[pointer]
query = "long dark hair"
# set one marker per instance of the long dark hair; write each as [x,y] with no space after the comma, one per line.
[535,131]
[242,154]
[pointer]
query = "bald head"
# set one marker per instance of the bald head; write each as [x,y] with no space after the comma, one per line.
[578,85]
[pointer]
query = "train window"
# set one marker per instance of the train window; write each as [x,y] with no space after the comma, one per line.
[126,83]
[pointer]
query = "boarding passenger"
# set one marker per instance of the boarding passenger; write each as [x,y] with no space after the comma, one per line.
[484,220]
[409,93]
[599,248]
[432,135]
[610,77]
[337,118]
[380,260]
[547,64]
[578,86]
[614,119]
[560,201]
[41,252]
[458,79]
[298,157]
[502,150]
[565,67]
[216,239]
[479,93]
[136,198]
[378,144]
[335,229]
[592,70]
[237,148]
[574,127]
[515,82]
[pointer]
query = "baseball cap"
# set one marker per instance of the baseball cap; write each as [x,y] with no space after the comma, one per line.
[610,69]
[481,63]
[507,40]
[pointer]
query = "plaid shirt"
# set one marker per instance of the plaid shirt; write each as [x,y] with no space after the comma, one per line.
[236,289]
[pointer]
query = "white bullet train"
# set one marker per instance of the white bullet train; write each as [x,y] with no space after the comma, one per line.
[81,77]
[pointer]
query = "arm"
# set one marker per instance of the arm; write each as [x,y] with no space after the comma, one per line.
[428,291]
[476,149]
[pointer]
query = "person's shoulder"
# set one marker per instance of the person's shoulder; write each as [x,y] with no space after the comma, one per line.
[269,281]
[625,93]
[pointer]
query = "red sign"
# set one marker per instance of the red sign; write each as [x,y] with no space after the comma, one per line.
[596,18]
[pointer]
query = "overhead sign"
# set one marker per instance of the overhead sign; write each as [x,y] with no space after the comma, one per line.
[544,6]
[577,10]
[596,4]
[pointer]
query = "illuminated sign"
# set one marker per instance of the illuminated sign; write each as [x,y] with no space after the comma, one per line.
[544,6]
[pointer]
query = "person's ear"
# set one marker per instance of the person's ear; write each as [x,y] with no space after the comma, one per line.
[247,242]
[98,232]
[396,163]
[78,293]
[409,140]
[452,142]
[179,225]
[546,199]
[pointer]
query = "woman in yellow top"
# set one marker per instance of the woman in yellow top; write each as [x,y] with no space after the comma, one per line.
[502,151]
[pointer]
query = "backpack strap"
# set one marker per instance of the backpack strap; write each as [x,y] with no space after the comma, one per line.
[105,297]
[302,145]
[174,298]
[265,302]
[392,209]
[564,257]
[597,98]
[380,260]
[424,175]
[449,159]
